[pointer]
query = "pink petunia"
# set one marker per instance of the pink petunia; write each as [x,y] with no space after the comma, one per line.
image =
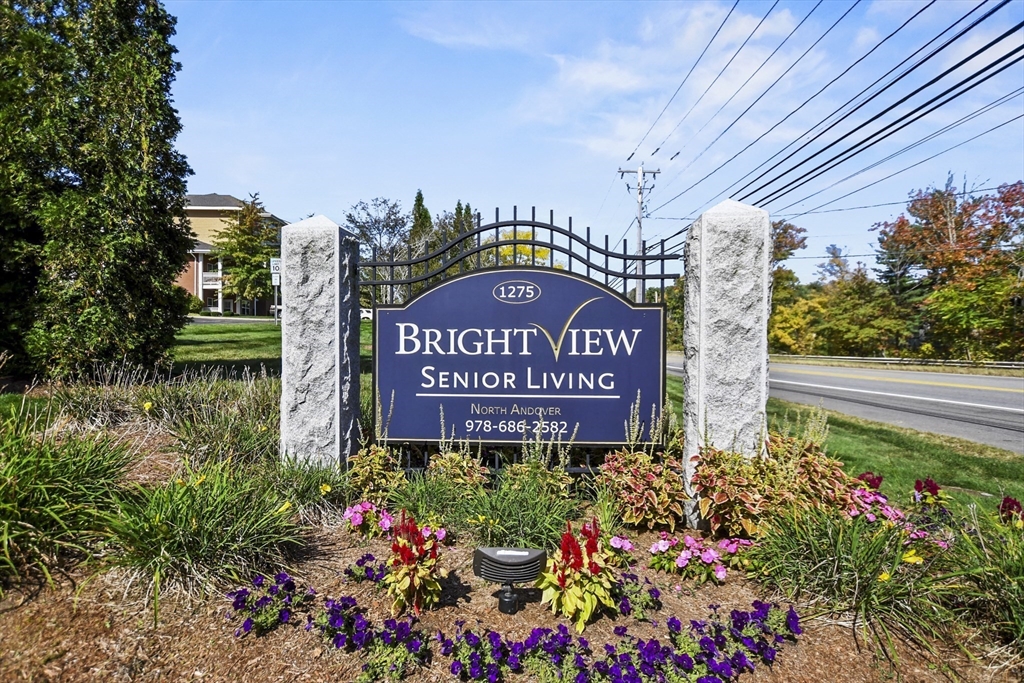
[356,519]
[709,556]
[440,534]
[683,559]
[719,572]
[691,542]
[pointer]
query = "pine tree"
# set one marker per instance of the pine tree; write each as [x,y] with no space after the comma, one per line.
[93,192]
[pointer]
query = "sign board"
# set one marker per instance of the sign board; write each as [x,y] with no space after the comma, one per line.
[507,352]
[275,279]
[275,266]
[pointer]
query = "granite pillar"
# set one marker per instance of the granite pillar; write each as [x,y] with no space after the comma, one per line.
[319,342]
[727,300]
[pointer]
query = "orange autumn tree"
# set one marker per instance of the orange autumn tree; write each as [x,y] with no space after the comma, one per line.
[954,263]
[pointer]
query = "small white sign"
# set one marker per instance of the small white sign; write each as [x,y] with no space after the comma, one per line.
[275,266]
[275,279]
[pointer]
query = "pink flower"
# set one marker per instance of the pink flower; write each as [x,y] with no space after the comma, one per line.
[440,534]
[367,506]
[719,572]
[385,520]
[691,542]
[709,556]
[683,559]
[425,531]
[871,517]
[620,543]
[942,544]
[356,519]
[729,545]
[660,547]
[853,512]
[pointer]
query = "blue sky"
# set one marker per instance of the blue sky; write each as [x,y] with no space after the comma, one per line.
[317,105]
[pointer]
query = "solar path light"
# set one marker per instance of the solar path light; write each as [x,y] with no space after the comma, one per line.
[508,566]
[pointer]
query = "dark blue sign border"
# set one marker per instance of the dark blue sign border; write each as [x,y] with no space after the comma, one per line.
[512,273]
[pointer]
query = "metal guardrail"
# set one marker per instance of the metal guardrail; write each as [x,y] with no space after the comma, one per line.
[999,364]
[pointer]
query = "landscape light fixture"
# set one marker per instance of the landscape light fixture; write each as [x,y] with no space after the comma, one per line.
[508,566]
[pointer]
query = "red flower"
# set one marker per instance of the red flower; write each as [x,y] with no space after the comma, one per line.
[571,553]
[872,480]
[928,485]
[1010,508]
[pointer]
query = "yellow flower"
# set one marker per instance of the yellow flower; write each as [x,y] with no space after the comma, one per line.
[1019,524]
[325,489]
[147,406]
[263,428]
[883,577]
[284,508]
[911,557]
[181,482]
[199,481]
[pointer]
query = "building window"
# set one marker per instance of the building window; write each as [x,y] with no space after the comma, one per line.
[211,301]
[245,307]
[210,265]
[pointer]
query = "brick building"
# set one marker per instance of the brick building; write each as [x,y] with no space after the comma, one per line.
[208,214]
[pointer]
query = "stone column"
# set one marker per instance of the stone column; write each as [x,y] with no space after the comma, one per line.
[727,300]
[319,342]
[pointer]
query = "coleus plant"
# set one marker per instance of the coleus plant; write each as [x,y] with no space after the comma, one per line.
[579,579]
[413,571]
[650,494]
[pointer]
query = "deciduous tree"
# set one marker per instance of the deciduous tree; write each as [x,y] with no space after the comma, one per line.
[246,246]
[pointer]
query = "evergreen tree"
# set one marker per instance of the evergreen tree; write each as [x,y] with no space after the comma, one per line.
[92,191]
[246,246]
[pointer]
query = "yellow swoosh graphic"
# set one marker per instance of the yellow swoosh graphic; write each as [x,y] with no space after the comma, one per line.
[901,381]
[557,346]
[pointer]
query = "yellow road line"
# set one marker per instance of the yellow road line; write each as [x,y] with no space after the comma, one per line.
[904,381]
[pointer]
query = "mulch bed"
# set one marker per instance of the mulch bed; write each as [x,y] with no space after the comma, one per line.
[90,628]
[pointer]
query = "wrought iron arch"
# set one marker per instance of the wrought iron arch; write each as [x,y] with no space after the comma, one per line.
[391,278]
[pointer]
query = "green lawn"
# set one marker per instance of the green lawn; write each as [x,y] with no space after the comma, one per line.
[239,345]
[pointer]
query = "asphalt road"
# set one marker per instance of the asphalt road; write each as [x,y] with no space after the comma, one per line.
[979,408]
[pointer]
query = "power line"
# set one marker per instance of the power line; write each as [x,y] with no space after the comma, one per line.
[749,78]
[969,117]
[916,251]
[865,206]
[707,89]
[665,108]
[874,118]
[853,151]
[852,99]
[872,184]
[948,149]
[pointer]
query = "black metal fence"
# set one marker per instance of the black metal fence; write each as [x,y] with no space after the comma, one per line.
[397,275]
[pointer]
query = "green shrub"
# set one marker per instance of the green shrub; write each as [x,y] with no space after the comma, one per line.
[212,525]
[215,419]
[521,511]
[852,565]
[989,577]
[320,493]
[649,494]
[736,492]
[53,493]
[375,472]
[459,468]
[432,500]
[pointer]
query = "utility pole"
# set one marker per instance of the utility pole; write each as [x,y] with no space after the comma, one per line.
[641,285]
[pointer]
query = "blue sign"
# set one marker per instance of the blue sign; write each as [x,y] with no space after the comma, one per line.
[507,352]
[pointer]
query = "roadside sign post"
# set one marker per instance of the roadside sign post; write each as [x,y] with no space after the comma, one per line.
[275,279]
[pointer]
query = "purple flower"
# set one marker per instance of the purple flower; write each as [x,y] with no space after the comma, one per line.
[247,625]
[674,625]
[284,616]
[620,631]
[456,668]
[654,593]
[793,622]
[258,581]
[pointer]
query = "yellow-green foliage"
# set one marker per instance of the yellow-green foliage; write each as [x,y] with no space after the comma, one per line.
[458,468]
[555,482]
[375,472]
[579,578]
